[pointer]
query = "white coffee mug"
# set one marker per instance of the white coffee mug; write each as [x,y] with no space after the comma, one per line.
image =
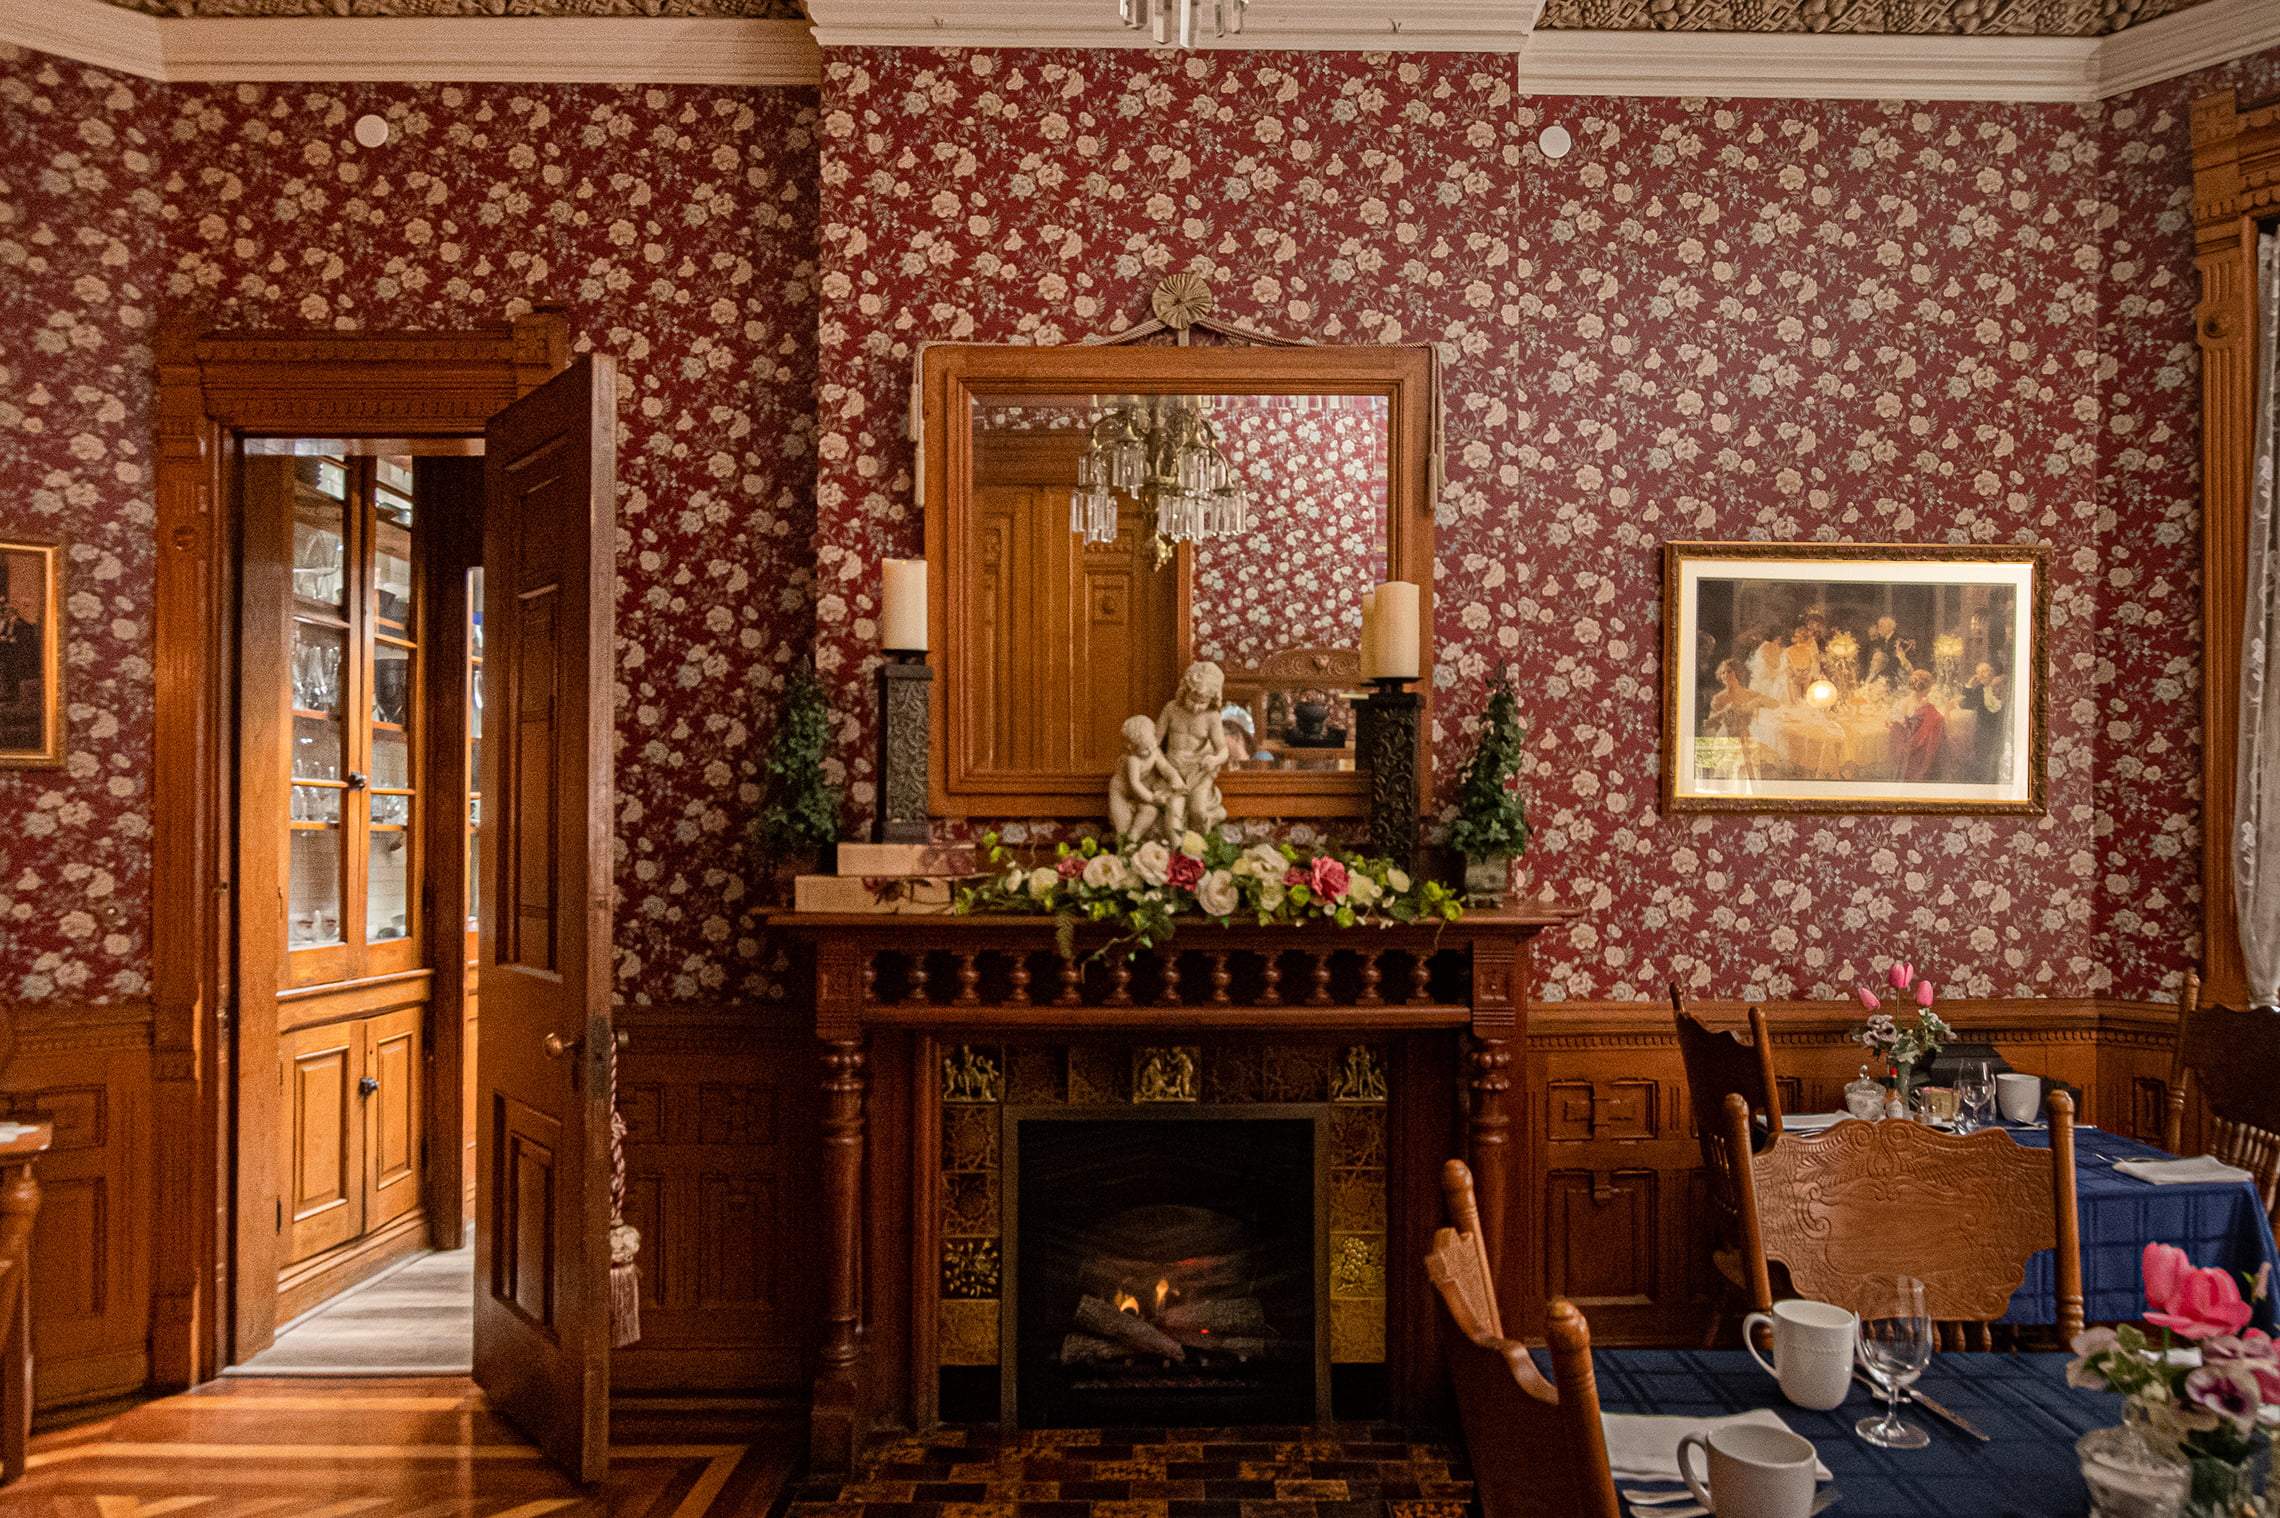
[2019,1097]
[1812,1350]
[1755,1471]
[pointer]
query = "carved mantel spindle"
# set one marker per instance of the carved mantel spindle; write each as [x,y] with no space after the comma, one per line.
[1220,979]
[1420,977]
[1072,983]
[1170,995]
[969,979]
[1019,996]
[916,995]
[1488,1130]
[1270,994]
[1320,995]
[1370,978]
[833,1434]
[1120,983]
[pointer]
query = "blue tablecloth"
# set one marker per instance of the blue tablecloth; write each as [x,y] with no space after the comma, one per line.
[2021,1402]
[2221,1223]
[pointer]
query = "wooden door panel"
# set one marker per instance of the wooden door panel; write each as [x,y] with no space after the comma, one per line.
[393,1115]
[542,1311]
[324,1184]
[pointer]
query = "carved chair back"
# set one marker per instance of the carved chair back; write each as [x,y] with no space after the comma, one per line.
[2231,1060]
[1962,1214]
[1537,1447]
[1719,1065]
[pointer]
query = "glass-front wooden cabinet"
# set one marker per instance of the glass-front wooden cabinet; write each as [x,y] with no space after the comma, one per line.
[351,625]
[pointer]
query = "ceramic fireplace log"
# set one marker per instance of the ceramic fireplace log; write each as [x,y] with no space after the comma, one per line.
[1103,1321]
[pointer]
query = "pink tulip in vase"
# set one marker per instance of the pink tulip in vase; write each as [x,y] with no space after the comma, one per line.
[2205,1416]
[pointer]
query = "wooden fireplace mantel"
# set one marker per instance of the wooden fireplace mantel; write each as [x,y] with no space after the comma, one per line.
[930,977]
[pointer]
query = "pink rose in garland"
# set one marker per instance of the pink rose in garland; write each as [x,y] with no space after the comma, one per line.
[1183,871]
[2194,1304]
[1329,880]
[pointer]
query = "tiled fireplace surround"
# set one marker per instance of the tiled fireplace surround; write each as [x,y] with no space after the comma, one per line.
[1400,1042]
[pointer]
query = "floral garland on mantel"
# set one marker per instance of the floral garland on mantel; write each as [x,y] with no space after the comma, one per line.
[1144,887]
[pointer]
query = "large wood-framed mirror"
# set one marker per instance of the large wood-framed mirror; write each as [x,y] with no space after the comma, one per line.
[1045,640]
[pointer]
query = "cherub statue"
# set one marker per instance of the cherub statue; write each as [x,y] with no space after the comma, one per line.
[1195,743]
[1144,782]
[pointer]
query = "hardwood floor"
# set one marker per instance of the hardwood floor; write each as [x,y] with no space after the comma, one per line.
[375,1447]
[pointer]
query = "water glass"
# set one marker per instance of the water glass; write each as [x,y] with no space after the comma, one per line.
[1895,1346]
[1975,1089]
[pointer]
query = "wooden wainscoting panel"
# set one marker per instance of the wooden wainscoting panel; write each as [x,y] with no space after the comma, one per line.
[88,1070]
[722,1166]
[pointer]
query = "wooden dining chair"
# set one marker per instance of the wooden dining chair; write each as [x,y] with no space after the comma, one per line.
[2231,1060]
[1537,1447]
[1719,1065]
[1961,1213]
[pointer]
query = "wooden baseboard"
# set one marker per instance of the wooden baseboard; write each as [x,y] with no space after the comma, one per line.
[88,1378]
[1553,1024]
[322,1277]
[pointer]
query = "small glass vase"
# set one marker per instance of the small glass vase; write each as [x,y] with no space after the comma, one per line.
[2223,1489]
[2128,1477]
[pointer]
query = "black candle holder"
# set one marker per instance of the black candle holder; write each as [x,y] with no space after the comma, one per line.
[1386,746]
[906,683]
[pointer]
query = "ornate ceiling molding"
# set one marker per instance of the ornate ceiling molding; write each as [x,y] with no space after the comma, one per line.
[669,49]
[1900,18]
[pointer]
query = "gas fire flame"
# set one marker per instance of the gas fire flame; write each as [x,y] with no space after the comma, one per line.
[1126,1302]
[1163,1290]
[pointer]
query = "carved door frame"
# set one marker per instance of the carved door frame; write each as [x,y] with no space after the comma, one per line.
[2236,191]
[212,385]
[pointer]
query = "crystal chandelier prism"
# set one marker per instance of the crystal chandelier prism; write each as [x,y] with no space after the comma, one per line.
[1183,17]
[1163,451]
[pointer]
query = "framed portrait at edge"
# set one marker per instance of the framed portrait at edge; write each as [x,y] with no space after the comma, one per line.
[31,654]
[1849,677]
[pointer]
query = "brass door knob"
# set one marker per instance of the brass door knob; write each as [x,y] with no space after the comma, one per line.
[556,1045]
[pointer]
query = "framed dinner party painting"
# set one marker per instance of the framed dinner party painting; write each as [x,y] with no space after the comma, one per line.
[31,654]
[1849,677]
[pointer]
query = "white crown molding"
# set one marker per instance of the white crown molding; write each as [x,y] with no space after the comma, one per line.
[1809,66]
[1443,26]
[2216,32]
[719,50]
[87,31]
[513,50]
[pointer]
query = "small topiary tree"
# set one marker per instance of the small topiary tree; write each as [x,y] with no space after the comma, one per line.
[803,809]
[1492,813]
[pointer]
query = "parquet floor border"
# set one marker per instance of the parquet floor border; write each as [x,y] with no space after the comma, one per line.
[414,1447]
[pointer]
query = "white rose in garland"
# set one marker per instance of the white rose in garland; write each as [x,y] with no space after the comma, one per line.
[1152,862]
[1216,895]
[1107,872]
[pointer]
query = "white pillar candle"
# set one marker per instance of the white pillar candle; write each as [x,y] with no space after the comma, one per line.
[902,606]
[1397,647]
[1369,635]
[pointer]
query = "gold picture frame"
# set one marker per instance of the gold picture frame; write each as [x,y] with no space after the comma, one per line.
[31,654]
[1855,677]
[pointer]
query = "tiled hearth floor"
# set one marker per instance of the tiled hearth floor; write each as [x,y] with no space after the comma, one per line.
[1347,1471]
[424,1447]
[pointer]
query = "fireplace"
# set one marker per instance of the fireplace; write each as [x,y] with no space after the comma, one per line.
[1169,1267]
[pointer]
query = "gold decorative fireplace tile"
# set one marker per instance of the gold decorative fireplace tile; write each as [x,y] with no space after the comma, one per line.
[1173,1074]
[1100,1075]
[1357,1332]
[1037,1075]
[1357,1266]
[969,1138]
[1231,1073]
[970,1204]
[1357,1138]
[1357,1201]
[969,1333]
[1360,1076]
[970,1269]
[972,1075]
[1295,1073]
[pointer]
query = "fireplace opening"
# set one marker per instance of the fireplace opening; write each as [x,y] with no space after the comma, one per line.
[1168,1271]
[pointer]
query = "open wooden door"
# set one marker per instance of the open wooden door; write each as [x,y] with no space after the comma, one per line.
[542,1262]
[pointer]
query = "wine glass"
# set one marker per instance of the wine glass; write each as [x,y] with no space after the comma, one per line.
[1895,1346]
[1975,1088]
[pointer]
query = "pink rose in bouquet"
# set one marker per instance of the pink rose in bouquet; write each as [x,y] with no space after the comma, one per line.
[2194,1304]
[1183,871]
[1329,879]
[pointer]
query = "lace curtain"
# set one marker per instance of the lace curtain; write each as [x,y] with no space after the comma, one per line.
[2256,804]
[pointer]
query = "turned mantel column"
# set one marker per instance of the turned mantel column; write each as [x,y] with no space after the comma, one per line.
[1498,1002]
[835,1430]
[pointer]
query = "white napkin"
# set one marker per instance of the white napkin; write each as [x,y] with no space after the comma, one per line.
[2201,1168]
[10,1132]
[1642,1447]
[1811,1122]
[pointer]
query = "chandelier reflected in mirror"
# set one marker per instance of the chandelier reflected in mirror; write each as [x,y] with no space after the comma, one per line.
[1164,452]
[1185,17]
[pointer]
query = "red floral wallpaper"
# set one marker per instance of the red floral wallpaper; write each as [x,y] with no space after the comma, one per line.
[1712,320]
[675,225]
[80,184]
[1717,320]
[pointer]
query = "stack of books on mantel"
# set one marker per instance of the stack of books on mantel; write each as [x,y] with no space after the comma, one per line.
[887,878]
